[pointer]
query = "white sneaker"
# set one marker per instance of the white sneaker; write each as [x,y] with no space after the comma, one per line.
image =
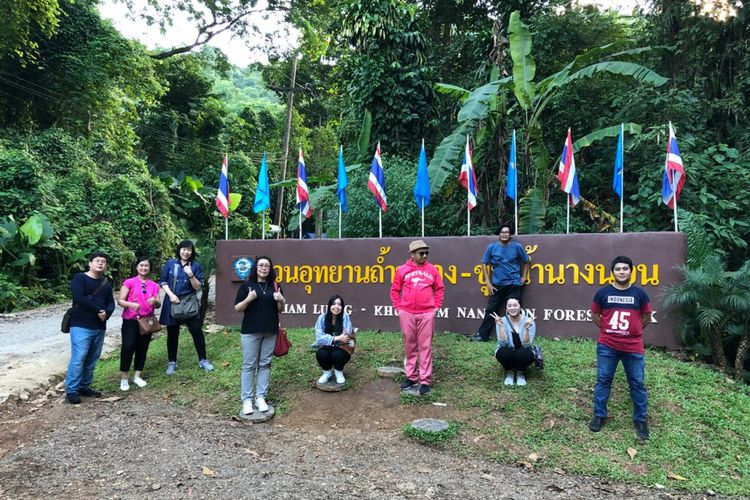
[139,382]
[520,379]
[339,377]
[247,407]
[325,377]
[510,377]
[261,404]
[124,385]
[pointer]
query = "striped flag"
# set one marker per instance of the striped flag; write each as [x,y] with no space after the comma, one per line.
[222,197]
[674,172]
[376,181]
[566,173]
[467,178]
[303,193]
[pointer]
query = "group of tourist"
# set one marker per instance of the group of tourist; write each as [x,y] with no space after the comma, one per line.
[620,310]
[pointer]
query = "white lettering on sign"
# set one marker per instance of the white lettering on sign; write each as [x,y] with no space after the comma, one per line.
[295,308]
[566,315]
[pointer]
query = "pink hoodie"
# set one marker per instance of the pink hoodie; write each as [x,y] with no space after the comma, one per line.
[417,289]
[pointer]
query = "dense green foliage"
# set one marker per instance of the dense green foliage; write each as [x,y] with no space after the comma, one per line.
[698,419]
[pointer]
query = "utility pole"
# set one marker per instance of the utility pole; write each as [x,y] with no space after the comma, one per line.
[287,133]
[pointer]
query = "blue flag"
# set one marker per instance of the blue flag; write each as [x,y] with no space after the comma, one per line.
[262,191]
[511,183]
[342,181]
[422,188]
[617,182]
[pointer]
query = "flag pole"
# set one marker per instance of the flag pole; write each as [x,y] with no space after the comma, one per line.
[339,220]
[422,217]
[226,228]
[515,183]
[299,219]
[468,219]
[263,232]
[567,223]
[672,182]
[380,222]
[622,175]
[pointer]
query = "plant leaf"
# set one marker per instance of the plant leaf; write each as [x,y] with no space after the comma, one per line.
[234,201]
[632,452]
[33,229]
[524,66]
[532,211]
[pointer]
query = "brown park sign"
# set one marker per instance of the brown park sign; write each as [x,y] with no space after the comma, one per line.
[566,271]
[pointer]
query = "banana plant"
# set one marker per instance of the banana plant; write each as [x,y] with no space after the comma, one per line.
[532,98]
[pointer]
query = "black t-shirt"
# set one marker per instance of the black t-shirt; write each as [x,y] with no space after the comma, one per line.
[262,314]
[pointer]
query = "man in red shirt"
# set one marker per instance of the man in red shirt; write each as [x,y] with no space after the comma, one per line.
[417,294]
[621,311]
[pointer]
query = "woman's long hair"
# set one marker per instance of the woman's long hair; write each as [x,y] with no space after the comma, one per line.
[328,326]
[254,271]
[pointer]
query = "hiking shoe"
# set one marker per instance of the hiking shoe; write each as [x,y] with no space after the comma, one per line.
[520,379]
[340,379]
[203,363]
[596,424]
[171,367]
[478,338]
[327,374]
[407,384]
[261,404]
[247,407]
[424,390]
[641,430]
[124,385]
[73,398]
[139,382]
[510,378]
[92,393]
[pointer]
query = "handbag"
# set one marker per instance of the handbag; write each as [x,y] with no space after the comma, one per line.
[68,316]
[148,324]
[188,306]
[538,357]
[283,344]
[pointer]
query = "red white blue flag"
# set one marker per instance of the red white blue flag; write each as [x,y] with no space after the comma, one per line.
[222,197]
[467,178]
[674,172]
[303,193]
[566,173]
[376,181]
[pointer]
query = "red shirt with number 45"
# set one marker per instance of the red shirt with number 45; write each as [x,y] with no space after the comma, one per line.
[621,328]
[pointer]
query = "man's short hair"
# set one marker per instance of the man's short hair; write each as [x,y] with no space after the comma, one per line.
[503,225]
[621,260]
[95,255]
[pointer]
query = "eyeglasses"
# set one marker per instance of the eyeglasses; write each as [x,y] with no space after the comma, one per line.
[423,254]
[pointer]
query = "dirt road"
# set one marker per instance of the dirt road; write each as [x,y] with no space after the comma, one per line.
[33,351]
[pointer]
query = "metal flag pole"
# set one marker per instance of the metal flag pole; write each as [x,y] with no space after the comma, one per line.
[622,176]
[567,223]
[515,183]
[468,219]
[299,219]
[263,232]
[380,222]
[422,217]
[339,219]
[672,180]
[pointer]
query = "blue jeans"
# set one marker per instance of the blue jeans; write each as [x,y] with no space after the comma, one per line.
[606,365]
[85,349]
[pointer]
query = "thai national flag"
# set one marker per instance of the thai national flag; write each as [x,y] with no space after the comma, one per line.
[303,194]
[674,172]
[566,173]
[222,197]
[376,181]
[467,178]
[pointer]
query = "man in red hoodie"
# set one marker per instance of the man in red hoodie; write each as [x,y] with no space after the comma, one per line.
[417,294]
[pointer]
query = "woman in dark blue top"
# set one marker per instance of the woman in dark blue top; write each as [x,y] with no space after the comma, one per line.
[181,277]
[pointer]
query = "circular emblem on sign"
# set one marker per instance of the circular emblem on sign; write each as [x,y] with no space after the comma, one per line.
[242,267]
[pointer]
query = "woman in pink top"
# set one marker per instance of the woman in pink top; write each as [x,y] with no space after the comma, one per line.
[139,296]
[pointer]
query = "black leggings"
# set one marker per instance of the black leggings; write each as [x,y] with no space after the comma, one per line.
[515,359]
[194,327]
[133,343]
[330,356]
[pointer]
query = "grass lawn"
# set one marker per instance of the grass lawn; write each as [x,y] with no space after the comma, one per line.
[699,421]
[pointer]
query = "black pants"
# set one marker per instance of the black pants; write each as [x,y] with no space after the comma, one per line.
[515,359]
[133,343]
[329,356]
[495,303]
[194,327]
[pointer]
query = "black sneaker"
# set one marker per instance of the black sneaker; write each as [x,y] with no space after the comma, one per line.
[641,430]
[73,398]
[424,390]
[478,338]
[596,424]
[90,393]
[407,384]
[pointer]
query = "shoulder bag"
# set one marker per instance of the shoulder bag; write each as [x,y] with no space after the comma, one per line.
[283,344]
[188,306]
[65,324]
